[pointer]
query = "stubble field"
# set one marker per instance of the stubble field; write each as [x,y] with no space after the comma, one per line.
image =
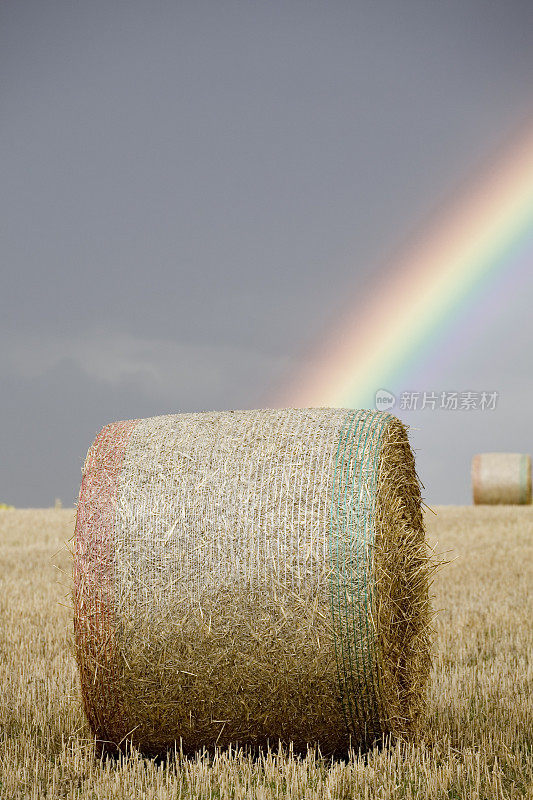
[479,738]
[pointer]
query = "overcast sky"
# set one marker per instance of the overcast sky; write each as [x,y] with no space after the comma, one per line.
[189,190]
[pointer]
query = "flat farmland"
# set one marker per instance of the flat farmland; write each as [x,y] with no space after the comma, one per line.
[478,742]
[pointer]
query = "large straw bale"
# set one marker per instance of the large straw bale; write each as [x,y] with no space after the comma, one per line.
[501,479]
[251,576]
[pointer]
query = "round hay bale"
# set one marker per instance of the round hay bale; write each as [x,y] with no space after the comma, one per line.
[501,479]
[251,576]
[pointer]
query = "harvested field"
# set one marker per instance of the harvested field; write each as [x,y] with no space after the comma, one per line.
[479,740]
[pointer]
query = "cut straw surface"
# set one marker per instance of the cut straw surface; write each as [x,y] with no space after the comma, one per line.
[243,577]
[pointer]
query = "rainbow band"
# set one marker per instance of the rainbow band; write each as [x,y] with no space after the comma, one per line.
[443,274]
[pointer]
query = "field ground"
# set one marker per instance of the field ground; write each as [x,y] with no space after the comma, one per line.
[479,739]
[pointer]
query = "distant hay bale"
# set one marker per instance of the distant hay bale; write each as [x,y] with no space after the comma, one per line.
[501,478]
[243,577]
[6,507]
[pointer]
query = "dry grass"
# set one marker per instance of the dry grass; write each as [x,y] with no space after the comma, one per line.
[479,736]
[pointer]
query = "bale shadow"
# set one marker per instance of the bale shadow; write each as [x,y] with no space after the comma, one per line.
[113,754]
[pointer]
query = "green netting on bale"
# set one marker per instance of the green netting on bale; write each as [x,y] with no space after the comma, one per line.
[352,533]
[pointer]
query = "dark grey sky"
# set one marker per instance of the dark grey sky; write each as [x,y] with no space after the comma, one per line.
[189,190]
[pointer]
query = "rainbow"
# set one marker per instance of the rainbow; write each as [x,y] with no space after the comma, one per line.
[476,242]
